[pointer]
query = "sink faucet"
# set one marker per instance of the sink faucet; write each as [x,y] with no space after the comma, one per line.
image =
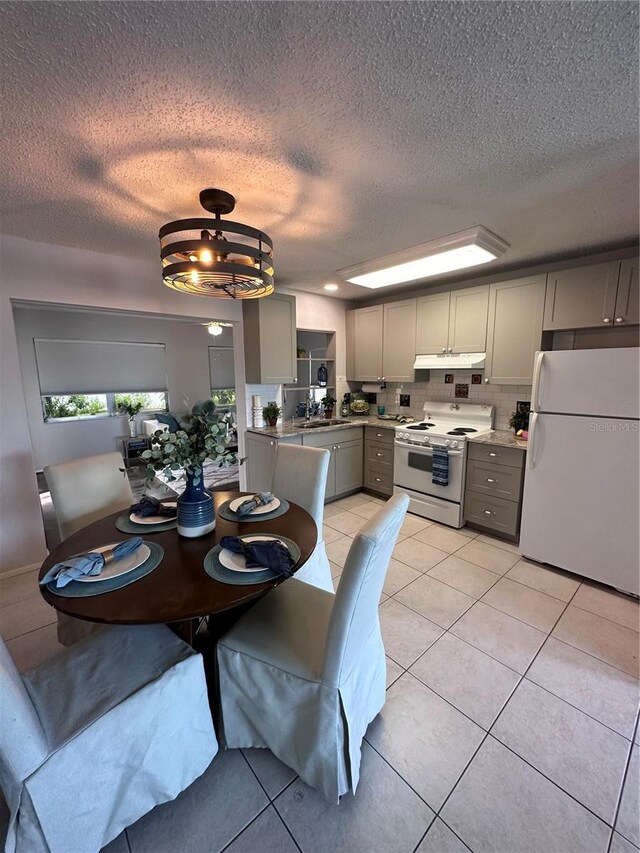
[307,406]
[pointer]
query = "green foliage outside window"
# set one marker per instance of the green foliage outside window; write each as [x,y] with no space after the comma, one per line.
[224,396]
[131,404]
[74,406]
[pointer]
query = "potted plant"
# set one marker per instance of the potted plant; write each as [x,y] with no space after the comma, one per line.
[328,402]
[129,406]
[271,412]
[204,434]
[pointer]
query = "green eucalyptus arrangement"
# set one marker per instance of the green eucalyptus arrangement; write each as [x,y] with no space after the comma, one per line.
[203,434]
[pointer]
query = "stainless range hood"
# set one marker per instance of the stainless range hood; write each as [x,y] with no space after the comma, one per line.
[450,361]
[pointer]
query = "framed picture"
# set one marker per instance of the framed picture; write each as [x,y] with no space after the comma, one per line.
[448,378]
[476,379]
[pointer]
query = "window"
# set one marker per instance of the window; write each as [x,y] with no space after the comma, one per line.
[66,407]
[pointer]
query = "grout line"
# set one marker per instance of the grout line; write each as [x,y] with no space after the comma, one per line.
[625,776]
[246,826]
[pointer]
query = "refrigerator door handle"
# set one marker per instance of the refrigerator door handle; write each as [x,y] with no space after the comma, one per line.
[535,391]
[530,449]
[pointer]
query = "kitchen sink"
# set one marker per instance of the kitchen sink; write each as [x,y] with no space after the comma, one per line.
[324,423]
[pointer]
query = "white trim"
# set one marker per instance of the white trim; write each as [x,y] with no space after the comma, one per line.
[21,570]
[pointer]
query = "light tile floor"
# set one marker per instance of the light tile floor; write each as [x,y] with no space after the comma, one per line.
[510,722]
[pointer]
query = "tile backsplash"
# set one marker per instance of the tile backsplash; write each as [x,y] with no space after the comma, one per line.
[502,397]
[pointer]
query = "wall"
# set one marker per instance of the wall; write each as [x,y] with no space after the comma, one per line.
[502,397]
[38,272]
[187,362]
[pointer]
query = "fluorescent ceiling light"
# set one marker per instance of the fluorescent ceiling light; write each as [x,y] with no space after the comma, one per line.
[331,287]
[458,251]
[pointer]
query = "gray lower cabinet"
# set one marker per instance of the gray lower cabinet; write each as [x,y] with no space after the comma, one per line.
[493,494]
[261,457]
[346,461]
[378,460]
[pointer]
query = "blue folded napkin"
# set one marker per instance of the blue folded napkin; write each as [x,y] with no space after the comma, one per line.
[268,553]
[148,506]
[87,564]
[259,499]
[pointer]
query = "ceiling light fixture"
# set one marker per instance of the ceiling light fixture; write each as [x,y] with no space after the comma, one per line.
[446,254]
[331,287]
[198,258]
[217,327]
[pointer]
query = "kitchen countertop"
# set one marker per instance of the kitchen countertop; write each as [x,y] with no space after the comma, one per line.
[501,437]
[285,429]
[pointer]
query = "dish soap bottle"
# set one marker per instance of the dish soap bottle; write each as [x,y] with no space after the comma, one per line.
[322,376]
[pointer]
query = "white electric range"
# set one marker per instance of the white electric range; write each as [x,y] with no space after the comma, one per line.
[447,426]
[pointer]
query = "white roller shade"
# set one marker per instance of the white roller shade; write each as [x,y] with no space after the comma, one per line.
[99,367]
[221,368]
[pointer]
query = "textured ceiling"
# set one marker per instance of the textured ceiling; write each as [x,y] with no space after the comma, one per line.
[346,130]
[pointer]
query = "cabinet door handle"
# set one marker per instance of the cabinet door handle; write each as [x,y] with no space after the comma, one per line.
[490,480]
[379,454]
[487,380]
[619,319]
[338,447]
[379,435]
[606,320]
[272,443]
[491,453]
[450,349]
[377,479]
[444,349]
[488,512]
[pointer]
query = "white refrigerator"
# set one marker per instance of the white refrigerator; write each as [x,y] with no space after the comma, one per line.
[580,507]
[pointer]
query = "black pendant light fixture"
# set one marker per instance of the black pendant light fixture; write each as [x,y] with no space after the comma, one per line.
[212,257]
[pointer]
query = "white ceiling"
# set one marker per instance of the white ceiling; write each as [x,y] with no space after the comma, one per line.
[346,130]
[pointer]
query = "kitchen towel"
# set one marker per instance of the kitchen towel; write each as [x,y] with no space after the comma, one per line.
[88,564]
[440,469]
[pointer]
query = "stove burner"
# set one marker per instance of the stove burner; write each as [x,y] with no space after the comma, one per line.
[420,426]
[461,431]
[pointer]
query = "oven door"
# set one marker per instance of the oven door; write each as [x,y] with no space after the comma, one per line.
[413,469]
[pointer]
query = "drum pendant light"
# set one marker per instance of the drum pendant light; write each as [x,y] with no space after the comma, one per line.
[215,257]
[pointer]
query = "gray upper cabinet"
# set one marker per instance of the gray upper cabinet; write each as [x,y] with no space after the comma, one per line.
[581,298]
[432,324]
[399,342]
[270,339]
[364,328]
[514,330]
[468,312]
[455,321]
[628,296]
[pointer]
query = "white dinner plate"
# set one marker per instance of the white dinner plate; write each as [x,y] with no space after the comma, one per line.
[237,562]
[155,519]
[274,504]
[118,567]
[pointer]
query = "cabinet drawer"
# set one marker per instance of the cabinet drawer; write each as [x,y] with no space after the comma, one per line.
[496,453]
[491,478]
[378,479]
[379,454]
[495,513]
[381,435]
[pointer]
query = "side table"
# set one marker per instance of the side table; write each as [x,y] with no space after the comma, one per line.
[132,448]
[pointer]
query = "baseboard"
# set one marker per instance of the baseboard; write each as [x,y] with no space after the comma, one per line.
[21,570]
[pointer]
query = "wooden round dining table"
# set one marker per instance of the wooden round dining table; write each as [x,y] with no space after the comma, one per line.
[179,589]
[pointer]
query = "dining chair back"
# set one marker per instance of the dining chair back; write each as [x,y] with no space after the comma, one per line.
[84,490]
[303,673]
[355,612]
[300,475]
[23,745]
[96,737]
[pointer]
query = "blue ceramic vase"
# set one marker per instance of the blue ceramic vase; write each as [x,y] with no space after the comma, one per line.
[195,509]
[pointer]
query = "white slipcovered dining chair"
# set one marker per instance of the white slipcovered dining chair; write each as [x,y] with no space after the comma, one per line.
[83,491]
[300,475]
[96,737]
[303,672]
